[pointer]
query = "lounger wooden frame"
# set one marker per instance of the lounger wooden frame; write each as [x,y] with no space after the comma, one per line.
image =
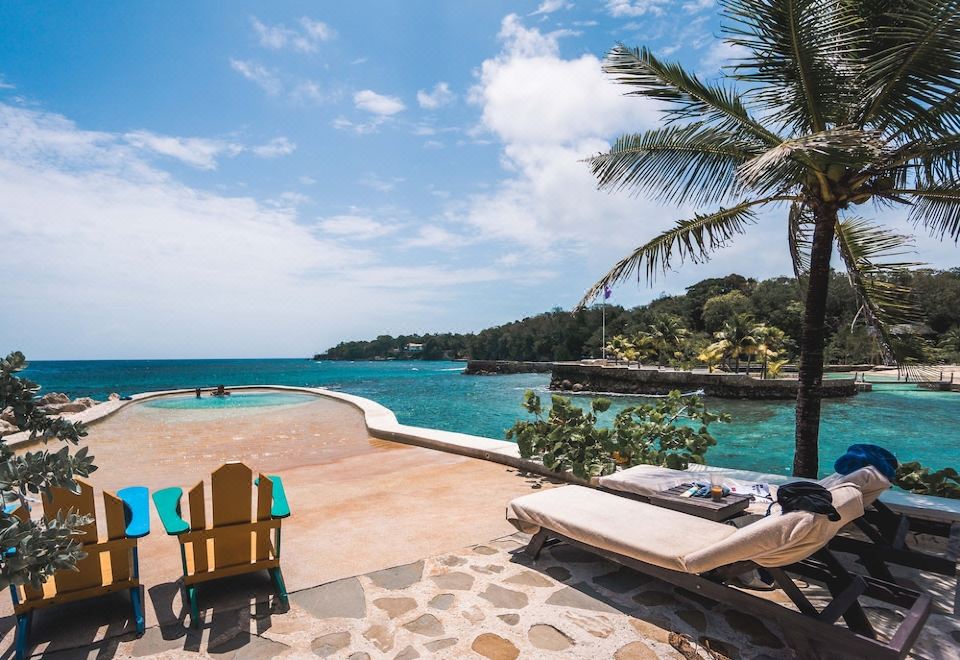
[887,531]
[858,639]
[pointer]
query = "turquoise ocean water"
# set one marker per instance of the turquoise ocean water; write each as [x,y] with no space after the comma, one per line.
[916,425]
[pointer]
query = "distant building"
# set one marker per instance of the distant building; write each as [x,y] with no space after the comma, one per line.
[413,348]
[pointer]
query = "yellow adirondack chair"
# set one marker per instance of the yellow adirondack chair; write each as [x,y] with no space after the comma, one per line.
[111,564]
[239,540]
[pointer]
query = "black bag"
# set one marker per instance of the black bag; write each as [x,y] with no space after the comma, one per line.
[806,496]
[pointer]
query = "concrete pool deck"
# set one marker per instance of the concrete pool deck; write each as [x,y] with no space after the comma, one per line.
[376,527]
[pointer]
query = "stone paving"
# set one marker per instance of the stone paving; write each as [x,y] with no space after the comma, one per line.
[485,601]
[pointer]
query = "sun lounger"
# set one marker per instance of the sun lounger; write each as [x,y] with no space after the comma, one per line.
[111,564]
[699,555]
[239,540]
[885,528]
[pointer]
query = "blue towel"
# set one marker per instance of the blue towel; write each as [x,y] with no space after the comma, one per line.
[859,456]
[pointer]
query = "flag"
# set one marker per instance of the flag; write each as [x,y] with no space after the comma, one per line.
[607,293]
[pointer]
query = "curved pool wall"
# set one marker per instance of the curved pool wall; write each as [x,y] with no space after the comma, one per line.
[382,423]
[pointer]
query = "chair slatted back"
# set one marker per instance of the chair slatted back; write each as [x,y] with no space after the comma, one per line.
[198,520]
[232,490]
[232,496]
[116,529]
[264,502]
[88,573]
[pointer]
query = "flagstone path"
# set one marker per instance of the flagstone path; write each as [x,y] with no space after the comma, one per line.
[486,601]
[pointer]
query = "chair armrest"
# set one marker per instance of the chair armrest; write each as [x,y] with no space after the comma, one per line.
[167,502]
[136,510]
[279,507]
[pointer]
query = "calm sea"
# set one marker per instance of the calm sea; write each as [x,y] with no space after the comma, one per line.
[916,425]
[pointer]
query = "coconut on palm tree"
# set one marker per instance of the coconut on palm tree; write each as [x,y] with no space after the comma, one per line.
[834,104]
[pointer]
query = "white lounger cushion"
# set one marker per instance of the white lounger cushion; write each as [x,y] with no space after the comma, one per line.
[645,480]
[649,533]
[675,540]
[869,480]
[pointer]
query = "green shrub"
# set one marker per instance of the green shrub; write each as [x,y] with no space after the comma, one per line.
[32,550]
[651,434]
[921,480]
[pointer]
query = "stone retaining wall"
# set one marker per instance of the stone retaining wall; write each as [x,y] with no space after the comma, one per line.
[493,367]
[621,380]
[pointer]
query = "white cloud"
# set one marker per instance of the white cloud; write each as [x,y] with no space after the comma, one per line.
[631,8]
[696,6]
[379,183]
[377,104]
[438,97]
[203,153]
[4,84]
[258,74]
[305,40]
[435,237]
[530,95]
[317,30]
[356,227]
[358,127]
[718,55]
[550,6]
[278,146]
[307,180]
[433,144]
[142,265]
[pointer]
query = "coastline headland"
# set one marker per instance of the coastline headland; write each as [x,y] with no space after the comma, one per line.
[619,379]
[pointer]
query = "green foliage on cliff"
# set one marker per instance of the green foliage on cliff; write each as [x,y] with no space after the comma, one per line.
[672,432]
[702,310]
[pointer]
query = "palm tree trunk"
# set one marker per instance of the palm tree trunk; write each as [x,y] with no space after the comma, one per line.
[806,455]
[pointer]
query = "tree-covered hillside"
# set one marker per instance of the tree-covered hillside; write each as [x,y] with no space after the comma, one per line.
[703,311]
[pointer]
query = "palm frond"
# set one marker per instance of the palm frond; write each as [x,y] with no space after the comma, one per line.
[685,95]
[936,208]
[676,164]
[867,250]
[787,163]
[800,58]
[942,118]
[930,159]
[913,64]
[692,239]
[800,238]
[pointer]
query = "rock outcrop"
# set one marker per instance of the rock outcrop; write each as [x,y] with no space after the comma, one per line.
[56,403]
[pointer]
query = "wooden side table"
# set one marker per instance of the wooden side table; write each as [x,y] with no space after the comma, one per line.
[703,507]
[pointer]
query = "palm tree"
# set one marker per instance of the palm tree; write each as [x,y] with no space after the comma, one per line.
[769,340]
[736,339]
[668,335]
[833,104]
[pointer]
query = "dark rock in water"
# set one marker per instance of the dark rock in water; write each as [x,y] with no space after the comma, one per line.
[577,387]
[566,385]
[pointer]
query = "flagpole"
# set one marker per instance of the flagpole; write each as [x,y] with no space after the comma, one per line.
[603,335]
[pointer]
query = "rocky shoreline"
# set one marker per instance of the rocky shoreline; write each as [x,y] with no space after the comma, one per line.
[54,403]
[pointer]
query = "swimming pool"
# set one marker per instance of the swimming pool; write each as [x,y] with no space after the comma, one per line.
[235,400]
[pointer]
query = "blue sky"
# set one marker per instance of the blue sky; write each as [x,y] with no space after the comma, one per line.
[266,179]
